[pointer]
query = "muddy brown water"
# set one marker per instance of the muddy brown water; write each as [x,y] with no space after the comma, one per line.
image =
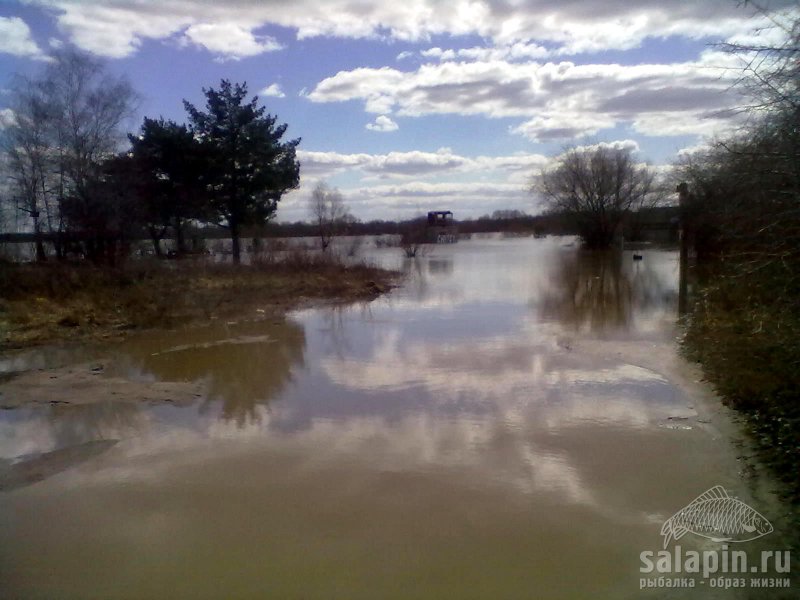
[513,422]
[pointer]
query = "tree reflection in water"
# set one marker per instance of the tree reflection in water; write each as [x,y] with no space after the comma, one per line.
[244,365]
[441,266]
[602,292]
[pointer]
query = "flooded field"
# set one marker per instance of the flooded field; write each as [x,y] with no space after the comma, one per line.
[513,422]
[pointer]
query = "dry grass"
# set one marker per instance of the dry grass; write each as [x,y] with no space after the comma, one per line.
[746,335]
[42,303]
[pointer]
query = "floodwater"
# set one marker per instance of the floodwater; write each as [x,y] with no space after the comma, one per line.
[513,422]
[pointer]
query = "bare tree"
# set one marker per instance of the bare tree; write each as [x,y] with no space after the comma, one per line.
[770,71]
[743,190]
[89,109]
[68,119]
[328,212]
[29,152]
[6,201]
[596,187]
[414,236]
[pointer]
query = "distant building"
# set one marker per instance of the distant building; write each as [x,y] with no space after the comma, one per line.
[442,228]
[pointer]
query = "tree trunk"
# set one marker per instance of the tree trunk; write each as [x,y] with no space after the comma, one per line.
[41,255]
[235,244]
[179,237]
[685,239]
[58,245]
[156,244]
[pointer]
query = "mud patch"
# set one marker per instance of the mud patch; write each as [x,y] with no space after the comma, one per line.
[86,384]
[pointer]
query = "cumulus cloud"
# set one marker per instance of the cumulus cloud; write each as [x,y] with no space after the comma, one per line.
[324,165]
[505,77]
[560,126]
[382,123]
[377,87]
[117,27]
[15,38]
[700,148]
[519,51]
[397,184]
[403,200]
[230,40]
[439,54]
[705,123]
[559,100]
[422,189]
[631,145]
[416,164]
[274,90]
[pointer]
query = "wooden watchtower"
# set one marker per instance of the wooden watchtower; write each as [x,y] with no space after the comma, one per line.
[442,228]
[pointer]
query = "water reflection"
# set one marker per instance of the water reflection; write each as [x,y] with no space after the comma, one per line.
[473,434]
[30,469]
[605,292]
[102,421]
[441,266]
[244,365]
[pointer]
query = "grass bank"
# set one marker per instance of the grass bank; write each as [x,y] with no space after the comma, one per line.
[745,332]
[41,303]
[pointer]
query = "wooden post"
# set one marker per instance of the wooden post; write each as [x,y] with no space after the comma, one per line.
[685,236]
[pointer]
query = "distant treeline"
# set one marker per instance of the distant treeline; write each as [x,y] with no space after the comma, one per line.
[498,221]
[521,223]
[637,226]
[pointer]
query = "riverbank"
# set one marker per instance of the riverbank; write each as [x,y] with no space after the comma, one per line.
[746,337]
[53,302]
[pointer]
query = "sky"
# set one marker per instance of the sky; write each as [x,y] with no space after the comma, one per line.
[421,104]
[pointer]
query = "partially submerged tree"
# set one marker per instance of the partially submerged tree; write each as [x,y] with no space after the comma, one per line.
[414,236]
[328,213]
[249,167]
[595,187]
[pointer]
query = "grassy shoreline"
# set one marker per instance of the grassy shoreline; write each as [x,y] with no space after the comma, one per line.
[746,338]
[51,302]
